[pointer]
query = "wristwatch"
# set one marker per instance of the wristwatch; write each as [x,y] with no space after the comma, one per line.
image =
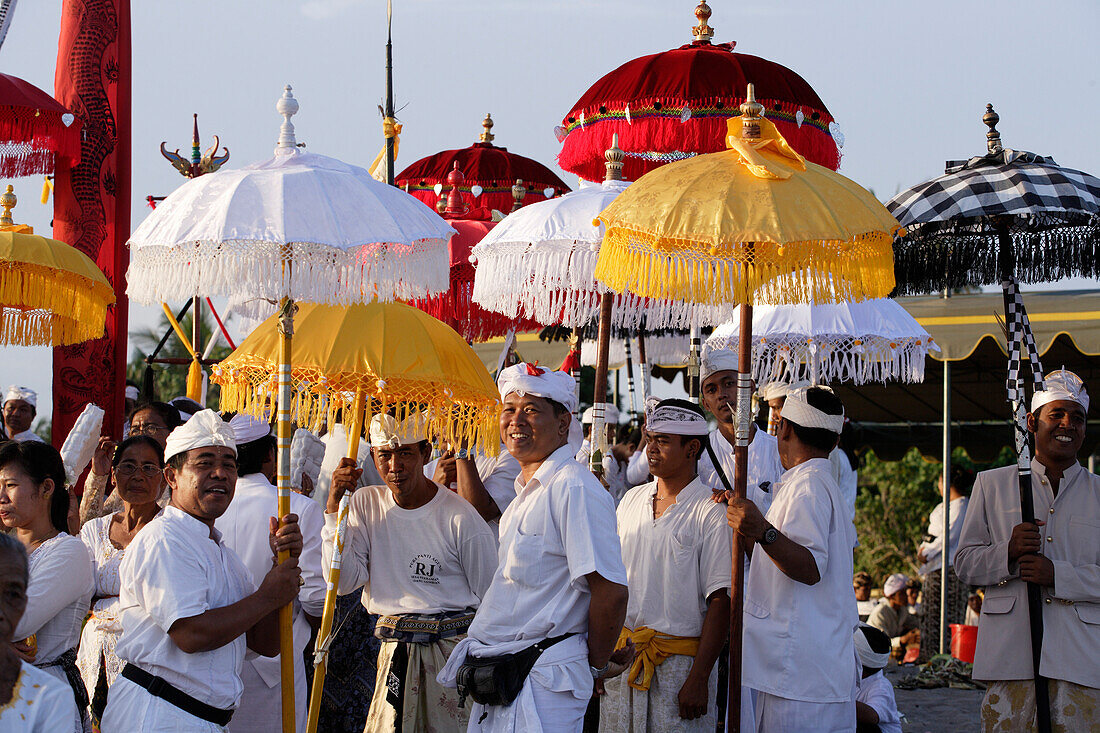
[599,672]
[771,534]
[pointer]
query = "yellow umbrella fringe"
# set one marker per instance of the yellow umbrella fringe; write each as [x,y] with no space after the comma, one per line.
[44,306]
[42,328]
[763,272]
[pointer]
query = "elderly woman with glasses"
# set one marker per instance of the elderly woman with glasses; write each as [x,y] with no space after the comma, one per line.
[152,419]
[138,472]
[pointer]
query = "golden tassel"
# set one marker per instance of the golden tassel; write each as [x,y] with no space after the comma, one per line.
[194,380]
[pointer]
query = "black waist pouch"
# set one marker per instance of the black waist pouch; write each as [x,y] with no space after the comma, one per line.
[498,680]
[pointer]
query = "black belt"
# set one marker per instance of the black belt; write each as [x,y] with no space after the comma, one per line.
[165,690]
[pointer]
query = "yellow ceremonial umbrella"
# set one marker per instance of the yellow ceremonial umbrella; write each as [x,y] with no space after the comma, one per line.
[51,294]
[753,223]
[361,360]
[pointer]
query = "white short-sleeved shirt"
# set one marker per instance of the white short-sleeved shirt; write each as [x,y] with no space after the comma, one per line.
[798,638]
[40,703]
[58,596]
[933,549]
[764,468]
[673,563]
[877,692]
[497,473]
[435,558]
[560,528]
[173,570]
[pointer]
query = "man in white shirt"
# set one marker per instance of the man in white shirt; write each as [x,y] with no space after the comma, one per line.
[189,607]
[19,409]
[424,558]
[718,394]
[677,553]
[558,597]
[244,532]
[800,610]
[1060,552]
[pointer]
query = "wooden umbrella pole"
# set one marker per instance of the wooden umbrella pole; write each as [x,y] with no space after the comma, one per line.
[740,481]
[324,634]
[599,390]
[283,435]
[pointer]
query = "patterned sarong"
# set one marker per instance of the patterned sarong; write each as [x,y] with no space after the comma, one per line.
[1009,707]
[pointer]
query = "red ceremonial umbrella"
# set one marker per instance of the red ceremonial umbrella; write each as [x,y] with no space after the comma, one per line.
[34,130]
[455,306]
[671,105]
[490,172]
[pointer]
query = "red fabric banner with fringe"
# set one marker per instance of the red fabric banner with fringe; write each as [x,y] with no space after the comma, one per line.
[92,199]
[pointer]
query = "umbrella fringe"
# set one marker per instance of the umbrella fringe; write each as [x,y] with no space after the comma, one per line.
[42,130]
[318,273]
[43,306]
[798,272]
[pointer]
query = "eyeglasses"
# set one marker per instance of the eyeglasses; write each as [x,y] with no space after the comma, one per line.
[127,468]
[148,429]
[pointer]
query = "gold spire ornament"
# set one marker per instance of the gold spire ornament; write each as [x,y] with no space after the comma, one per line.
[703,32]
[614,157]
[487,123]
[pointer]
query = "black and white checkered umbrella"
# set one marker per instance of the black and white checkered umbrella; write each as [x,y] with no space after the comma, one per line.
[1008,210]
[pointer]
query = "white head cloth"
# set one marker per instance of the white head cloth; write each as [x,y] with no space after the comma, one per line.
[775,390]
[524,379]
[894,583]
[22,393]
[867,656]
[716,360]
[204,429]
[797,410]
[132,392]
[386,432]
[673,420]
[610,415]
[1061,385]
[248,428]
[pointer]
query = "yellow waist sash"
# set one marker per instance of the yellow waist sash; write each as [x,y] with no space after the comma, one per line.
[652,648]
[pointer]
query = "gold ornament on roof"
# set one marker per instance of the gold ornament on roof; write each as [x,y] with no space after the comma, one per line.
[703,32]
[487,123]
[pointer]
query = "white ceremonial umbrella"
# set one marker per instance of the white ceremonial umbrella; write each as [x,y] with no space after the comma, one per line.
[297,227]
[870,341]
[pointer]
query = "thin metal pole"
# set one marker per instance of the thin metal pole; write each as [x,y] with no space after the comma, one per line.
[597,438]
[390,149]
[693,364]
[630,378]
[946,503]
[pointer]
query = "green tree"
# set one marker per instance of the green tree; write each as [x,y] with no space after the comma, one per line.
[170,380]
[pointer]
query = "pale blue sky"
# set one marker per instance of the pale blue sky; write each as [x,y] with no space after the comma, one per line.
[907,82]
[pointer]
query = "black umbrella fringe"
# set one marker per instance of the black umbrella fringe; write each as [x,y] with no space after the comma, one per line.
[961,254]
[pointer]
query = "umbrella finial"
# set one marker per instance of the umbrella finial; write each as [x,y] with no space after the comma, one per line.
[287,106]
[518,192]
[8,201]
[614,160]
[992,138]
[487,123]
[751,111]
[455,205]
[703,32]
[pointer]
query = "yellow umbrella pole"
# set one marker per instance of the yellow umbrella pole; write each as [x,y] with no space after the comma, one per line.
[284,434]
[324,635]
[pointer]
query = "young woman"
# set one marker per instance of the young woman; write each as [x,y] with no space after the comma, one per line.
[137,470]
[34,502]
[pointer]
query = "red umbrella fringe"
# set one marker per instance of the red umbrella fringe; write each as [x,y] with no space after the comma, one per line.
[492,197]
[29,143]
[660,134]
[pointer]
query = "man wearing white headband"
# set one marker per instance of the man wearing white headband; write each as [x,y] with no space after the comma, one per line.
[800,610]
[256,496]
[1059,552]
[424,558]
[892,616]
[677,555]
[559,594]
[20,407]
[875,703]
[189,606]
[718,396]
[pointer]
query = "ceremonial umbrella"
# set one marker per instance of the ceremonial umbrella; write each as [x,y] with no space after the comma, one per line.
[51,294]
[752,223]
[672,105]
[35,130]
[363,360]
[297,227]
[1005,216]
[491,173]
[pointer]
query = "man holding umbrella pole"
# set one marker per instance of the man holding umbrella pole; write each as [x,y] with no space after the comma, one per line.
[1060,553]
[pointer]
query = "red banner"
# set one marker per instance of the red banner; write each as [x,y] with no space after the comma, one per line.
[92,200]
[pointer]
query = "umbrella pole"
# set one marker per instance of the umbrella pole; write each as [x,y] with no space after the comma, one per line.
[946,504]
[644,364]
[324,634]
[740,480]
[693,364]
[630,378]
[284,434]
[597,439]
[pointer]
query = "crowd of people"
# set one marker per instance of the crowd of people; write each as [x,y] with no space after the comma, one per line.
[523,592]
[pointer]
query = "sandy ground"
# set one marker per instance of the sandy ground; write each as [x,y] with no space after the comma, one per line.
[942,710]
